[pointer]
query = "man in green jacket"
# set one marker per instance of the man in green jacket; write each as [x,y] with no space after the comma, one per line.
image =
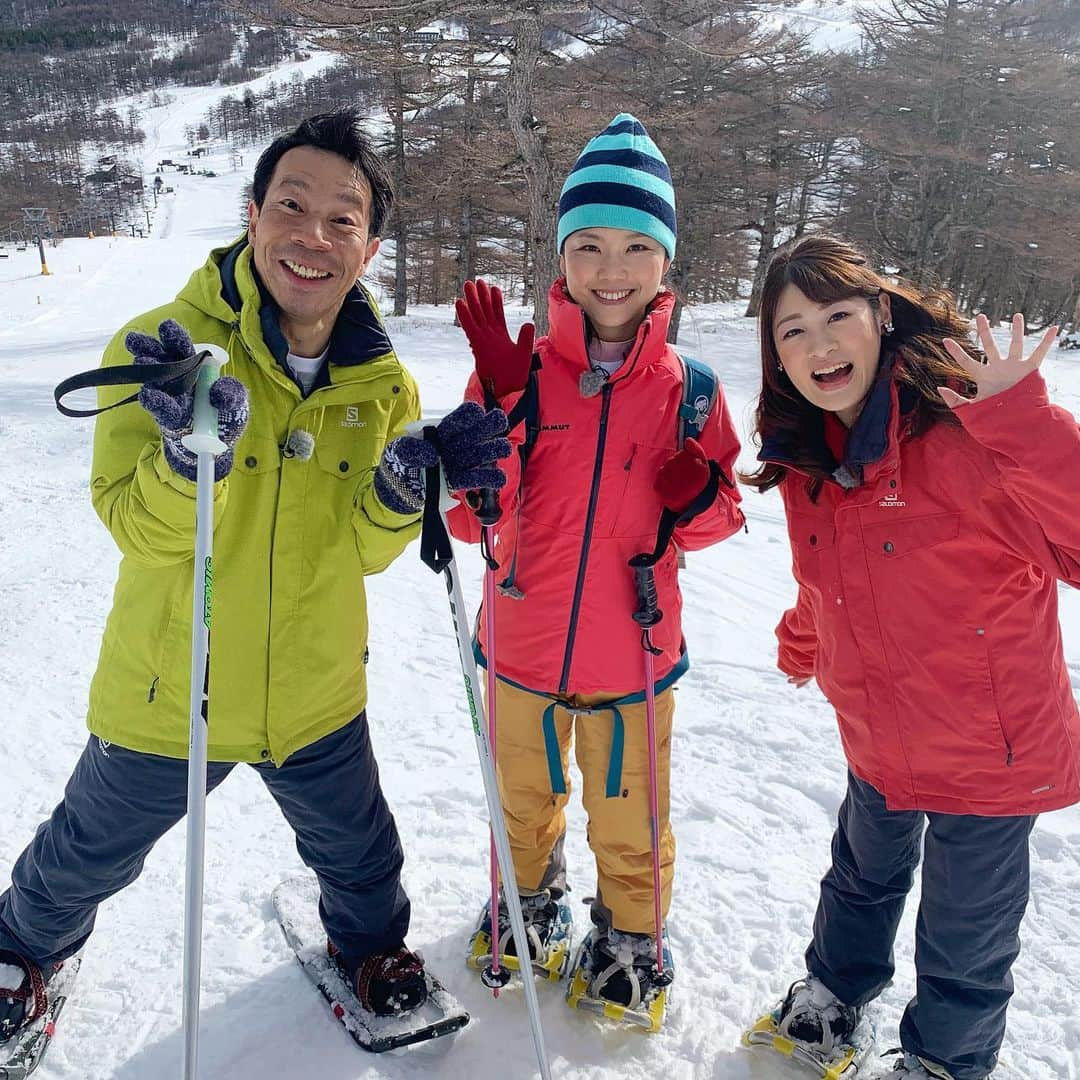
[317,490]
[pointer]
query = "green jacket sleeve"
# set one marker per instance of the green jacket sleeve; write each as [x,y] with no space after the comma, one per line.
[148,509]
[381,534]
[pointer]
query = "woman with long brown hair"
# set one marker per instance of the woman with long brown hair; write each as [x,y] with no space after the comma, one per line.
[930,490]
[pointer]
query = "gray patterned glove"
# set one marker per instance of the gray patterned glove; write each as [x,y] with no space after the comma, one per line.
[470,442]
[173,413]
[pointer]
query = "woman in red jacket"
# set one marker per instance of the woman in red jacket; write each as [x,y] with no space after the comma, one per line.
[605,463]
[929,529]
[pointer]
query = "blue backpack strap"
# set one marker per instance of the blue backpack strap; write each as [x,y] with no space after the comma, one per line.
[700,387]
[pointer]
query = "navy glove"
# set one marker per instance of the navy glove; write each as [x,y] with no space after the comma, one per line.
[470,441]
[173,413]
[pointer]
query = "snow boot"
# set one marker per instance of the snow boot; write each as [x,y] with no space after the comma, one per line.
[615,976]
[816,1018]
[387,983]
[548,927]
[23,992]
[624,968]
[910,1067]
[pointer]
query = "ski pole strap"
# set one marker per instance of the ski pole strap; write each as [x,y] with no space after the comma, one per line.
[175,377]
[436,551]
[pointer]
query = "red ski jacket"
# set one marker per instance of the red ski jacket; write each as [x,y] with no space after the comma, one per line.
[927,605]
[586,505]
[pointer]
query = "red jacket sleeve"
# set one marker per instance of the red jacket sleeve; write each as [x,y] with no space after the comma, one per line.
[721,443]
[464,524]
[797,635]
[1035,447]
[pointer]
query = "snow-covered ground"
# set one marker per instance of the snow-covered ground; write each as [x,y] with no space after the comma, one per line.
[758,773]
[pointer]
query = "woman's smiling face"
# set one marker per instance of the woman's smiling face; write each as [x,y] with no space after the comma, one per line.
[614,275]
[830,351]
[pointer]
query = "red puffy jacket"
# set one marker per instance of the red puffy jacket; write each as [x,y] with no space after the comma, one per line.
[927,606]
[588,504]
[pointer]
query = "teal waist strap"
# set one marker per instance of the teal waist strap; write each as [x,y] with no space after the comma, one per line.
[618,734]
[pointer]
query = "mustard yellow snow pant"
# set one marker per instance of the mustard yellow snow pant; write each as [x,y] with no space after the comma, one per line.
[618,830]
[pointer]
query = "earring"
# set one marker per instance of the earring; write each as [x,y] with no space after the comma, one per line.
[779,366]
[887,327]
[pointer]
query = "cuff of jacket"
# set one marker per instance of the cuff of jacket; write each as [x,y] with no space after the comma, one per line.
[180,491]
[381,515]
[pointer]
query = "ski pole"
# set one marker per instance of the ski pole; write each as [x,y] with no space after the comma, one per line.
[437,552]
[647,616]
[493,976]
[205,444]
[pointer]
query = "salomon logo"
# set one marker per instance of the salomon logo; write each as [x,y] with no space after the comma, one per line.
[890,501]
[352,417]
[554,427]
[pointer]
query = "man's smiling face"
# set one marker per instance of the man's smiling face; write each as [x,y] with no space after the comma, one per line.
[310,239]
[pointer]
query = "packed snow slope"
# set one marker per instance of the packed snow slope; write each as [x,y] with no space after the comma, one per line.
[757,771]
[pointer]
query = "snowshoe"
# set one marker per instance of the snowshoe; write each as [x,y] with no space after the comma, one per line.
[549,925]
[389,982]
[29,1010]
[615,976]
[815,1029]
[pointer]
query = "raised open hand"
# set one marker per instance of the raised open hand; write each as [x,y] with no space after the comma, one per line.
[998,373]
[502,365]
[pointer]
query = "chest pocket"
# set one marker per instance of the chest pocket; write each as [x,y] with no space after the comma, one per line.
[900,538]
[350,439]
[636,511]
[813,551]
[255,454]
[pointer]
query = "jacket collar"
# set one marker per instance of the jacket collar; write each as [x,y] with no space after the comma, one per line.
[873,444]
[566,331]
[358,335]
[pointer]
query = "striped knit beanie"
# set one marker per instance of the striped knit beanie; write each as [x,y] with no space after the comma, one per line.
[621,181]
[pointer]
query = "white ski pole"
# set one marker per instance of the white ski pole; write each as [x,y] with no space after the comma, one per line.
[205,444]
[437,552]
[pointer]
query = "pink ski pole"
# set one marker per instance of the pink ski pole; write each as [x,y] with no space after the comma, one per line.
[494,975]
[647,616]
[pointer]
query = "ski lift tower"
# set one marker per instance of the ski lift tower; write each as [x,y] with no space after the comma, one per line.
[37,220]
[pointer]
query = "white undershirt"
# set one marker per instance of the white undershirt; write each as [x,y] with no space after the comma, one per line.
[609,356]
[306,368]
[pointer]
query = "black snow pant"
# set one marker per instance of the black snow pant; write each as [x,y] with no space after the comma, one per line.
[118,803]
[975,887]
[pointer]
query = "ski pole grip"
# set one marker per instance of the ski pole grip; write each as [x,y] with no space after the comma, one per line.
[489,510]
[647,614]
[204,424]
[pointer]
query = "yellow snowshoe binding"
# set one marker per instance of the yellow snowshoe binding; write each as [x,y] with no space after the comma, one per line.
[548,925]
[615,976]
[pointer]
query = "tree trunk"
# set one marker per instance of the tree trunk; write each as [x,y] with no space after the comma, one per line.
[465,220]
[401,232]
[520,82]
[765,253]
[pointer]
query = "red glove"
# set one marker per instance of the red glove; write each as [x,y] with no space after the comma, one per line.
[502,366]
[685,477]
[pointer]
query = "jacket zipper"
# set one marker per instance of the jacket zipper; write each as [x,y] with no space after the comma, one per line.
[590,515]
